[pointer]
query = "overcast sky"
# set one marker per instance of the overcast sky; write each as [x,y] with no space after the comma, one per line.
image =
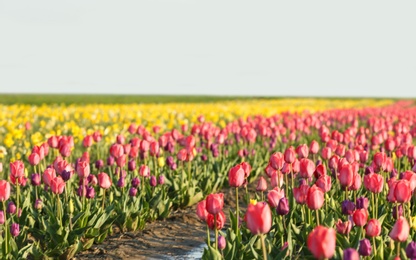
[296,48]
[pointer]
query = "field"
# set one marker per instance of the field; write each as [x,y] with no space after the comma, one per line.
[252,178]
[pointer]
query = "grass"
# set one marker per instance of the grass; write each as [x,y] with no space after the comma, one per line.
[67,99]
[79,99]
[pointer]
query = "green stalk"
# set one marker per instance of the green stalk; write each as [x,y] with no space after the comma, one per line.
[263,246]
[208,237]
[58,209]
[375,247]
[317,217]
[237,213]
[216,231]
[5,229]
[102,205]
[17,196]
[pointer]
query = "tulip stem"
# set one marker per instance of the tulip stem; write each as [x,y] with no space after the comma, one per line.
[373,206]
[317,217]
[237,214]
[17,195]
[375,247]
[5,229]
[208,237]
[287,185]
[398,248]
[216,231]
[102,205]
[263,246]
[58,209]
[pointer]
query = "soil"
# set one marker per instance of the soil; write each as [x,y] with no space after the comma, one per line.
[181,236]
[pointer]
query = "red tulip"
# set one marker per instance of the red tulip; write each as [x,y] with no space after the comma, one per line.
[247,168]
[374,182]
[324,182]
[154,148]
[276,161]
[57,185]
[320,170]
[290,155]
[17,169]
[307,168]
[236,176]
[4,190]
[302,151]
[326,153]
[182,155]
[360,217]
[262,184]
[314,147]
[201,210]
[258,218]
[104,180]
[34,159]
[48,175]
[315,198]
[220,221]
[144,171]
[274,196]
[343,227]
[356,182]
[87,142]
[215,203]
[399,191]
[116,150]
[411,177]
[83,169]
[373,228]
[301,193]
[321,242]
[346,176]
[400,230]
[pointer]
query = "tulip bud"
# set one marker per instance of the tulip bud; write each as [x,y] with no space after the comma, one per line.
[132,192]
[71,206]
[161,162]
[283,207]
[38,204]
[153,181]
[135,182]
[111,198]
[90,192]
[121,182]
[351,254]
[161,179]
[14,229]
[347,207]
[11,208]
[1,217]
[110,160]
[364,248]
[222,243]
[362,203]
[35,179]
[132,165]
[411,250]
[262,184]
[99,164]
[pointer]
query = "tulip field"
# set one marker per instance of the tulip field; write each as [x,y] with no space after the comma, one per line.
[310,178]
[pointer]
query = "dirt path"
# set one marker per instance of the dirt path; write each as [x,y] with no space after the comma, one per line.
[181,236]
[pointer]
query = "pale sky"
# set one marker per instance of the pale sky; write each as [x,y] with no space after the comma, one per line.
[279,48]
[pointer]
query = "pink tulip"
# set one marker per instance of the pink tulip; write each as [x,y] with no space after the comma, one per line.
[215,203]
[4,190]
[258,218]
[57,185]
[400,231]
[321,242]
[104,180]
